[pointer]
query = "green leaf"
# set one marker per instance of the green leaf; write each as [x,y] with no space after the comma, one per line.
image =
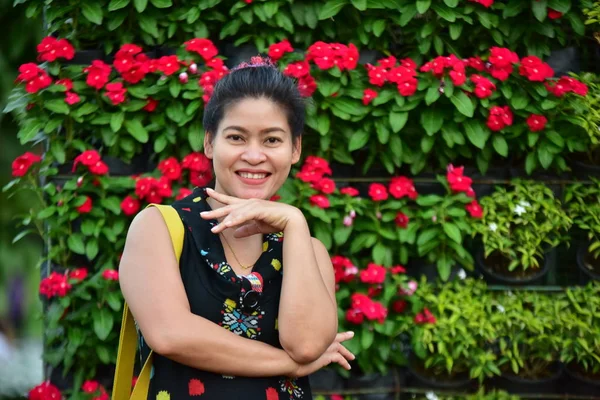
[46,212]
[91,249]
[453,232]
[540,9]
[75,243]
[29,131]
[398,120]
[562,6]
[463,104]
[331,8]
[162,3]
[432,120]
[140,5]
[451,3]
[519,100]
[116,121]
[103,322]
[444,12]
[175,87]
[455,30]
[366,337]
[92,11]
[117,4]
[136,129]
[500,145]
[359,4]
[545,156]
[556,138]
[378,27]
[477,133]
[58,151]
[341,234]
[423,6]
[433,94]
[114,301]
[149,25]
[358,140]
[57,106]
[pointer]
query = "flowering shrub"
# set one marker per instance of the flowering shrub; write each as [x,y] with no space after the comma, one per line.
[589,117]
[582,203]
[521,223]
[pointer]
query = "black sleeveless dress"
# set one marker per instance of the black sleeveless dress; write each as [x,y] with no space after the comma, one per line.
[247,306]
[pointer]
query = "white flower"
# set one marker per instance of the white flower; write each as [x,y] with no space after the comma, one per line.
[519,210]
[509,293]
[524,203]
[461,274]
[500,308]
[431,396]
[493,227]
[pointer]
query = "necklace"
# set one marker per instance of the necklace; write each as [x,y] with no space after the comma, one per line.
[234,256]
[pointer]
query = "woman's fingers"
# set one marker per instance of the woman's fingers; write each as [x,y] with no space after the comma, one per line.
[343,336]
[338,358]
[216,214]
[346,353]
[248,229]
[222,198]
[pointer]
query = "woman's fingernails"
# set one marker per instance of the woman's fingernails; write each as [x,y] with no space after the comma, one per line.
[351,333]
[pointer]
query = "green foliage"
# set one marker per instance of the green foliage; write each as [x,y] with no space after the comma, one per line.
[582,202]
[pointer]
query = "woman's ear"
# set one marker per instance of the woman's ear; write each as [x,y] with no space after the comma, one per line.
[297,150]
[208,147]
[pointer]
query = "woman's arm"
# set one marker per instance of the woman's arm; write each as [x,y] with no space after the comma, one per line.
[151,284]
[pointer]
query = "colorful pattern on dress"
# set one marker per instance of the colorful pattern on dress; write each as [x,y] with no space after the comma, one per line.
[163,395]
[196,387]
[289,386]
[256,281]
[240,323]
[275,237]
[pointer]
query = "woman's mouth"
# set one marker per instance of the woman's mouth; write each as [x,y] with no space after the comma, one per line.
[249,175]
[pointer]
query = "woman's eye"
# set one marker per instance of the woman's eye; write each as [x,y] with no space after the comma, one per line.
[273,140]
[235,138]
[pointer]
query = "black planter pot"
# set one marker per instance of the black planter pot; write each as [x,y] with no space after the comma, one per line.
[461,383]
[326,380]
[578,384]
[493,277]
[517,385]
[388,386]
[584,171]
[587,271]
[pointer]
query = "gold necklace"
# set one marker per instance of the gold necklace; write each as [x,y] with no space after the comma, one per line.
[234,256]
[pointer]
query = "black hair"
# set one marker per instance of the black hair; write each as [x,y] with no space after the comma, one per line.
[255,82]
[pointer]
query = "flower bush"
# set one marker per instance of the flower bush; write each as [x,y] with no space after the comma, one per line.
[589,118]
[582,203]
[520,224]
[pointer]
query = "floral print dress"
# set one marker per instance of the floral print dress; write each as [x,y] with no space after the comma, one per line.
[245,305]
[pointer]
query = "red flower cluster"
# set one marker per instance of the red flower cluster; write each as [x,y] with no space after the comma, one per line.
[425,317]
[70,97]
[200,168]
[22,163]
[485,3]
[78,274]
[209,78]
[373,274]
[535,69]
[170,168]
[350,191]
[96,389]
[474,208]
[499,118]
[55,285]
[363,306]
[378,192]
[313,171]
[566,85]
[204,47]
[153,190]
[110,275]
[553,14]
[115,92]
[92,160]
[329,55]
[368,96]
[132,64]
[402,186]
[502,61]
[86,207]
[536,122]
[387,70]
[483,86]
[343,268]
[458,182]
[45,391]
[50,49]
[34,77]
[97,74]
[401,220]
[439,65]
[277,50]
[130,205]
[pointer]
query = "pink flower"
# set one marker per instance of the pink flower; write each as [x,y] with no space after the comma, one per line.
[373,274]
[378,192]
[110,275]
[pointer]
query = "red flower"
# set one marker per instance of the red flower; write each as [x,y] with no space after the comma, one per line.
[321,54]
[402,186]
[195,387]
[474,209]
[196,161]
[387,62]
[319,200]
[535,69]
[373,274]
[137,70]
[183,192]
[378,192]
[79,274]
[38,83]
[271,393]
[501,73]
[55,285]
[116,92]
[401,220]
[324,185]
[499,118]
[128,50]
[110,275]
[90,386]
[536,122]
[350,191]
[200,178]
[277,50]
[399,306]
[51,48]
[425,317]
[343,269]
[67,83]
[22,163]
[45,391]
[168,65]
[566,85]
[483,86]
[72,98]
[297,70]
[398,269]
[307,86]
[97,74]
[204,47]
[408,88]
[457,181]
[485,3]
[170,168]
[28,72]
[349,57]
[377,75]
[458,77]
[355,316]
[368,96]
[86,207]
[553,14]
[151,105]
[100,168]
[375,311]
[501,57]
[130,205]
[87,158]
[476,63]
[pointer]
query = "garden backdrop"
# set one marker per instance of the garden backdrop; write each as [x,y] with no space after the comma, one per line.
[451,166]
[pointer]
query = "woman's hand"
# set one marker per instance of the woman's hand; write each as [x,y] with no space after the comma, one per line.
[250,216]
[335,353]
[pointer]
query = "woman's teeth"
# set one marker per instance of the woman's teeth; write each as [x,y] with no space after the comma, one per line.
[248,175]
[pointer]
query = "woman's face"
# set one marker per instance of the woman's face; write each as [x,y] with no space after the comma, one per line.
[252,151]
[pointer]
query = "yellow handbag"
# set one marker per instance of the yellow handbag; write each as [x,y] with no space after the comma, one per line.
[128,338]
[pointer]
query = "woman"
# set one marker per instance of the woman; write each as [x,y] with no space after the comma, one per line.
[279,327]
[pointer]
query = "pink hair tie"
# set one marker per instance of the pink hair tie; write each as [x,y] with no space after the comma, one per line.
[255,62]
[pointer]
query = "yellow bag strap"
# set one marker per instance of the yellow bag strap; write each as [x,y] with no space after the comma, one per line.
[128,337]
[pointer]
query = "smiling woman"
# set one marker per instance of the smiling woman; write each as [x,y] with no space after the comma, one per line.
[245,314]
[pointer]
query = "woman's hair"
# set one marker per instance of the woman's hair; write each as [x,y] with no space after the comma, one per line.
[256,80]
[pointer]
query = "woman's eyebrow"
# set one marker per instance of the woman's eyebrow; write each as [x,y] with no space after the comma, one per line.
[264,131]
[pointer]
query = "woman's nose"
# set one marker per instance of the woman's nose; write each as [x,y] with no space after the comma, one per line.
[254,154]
